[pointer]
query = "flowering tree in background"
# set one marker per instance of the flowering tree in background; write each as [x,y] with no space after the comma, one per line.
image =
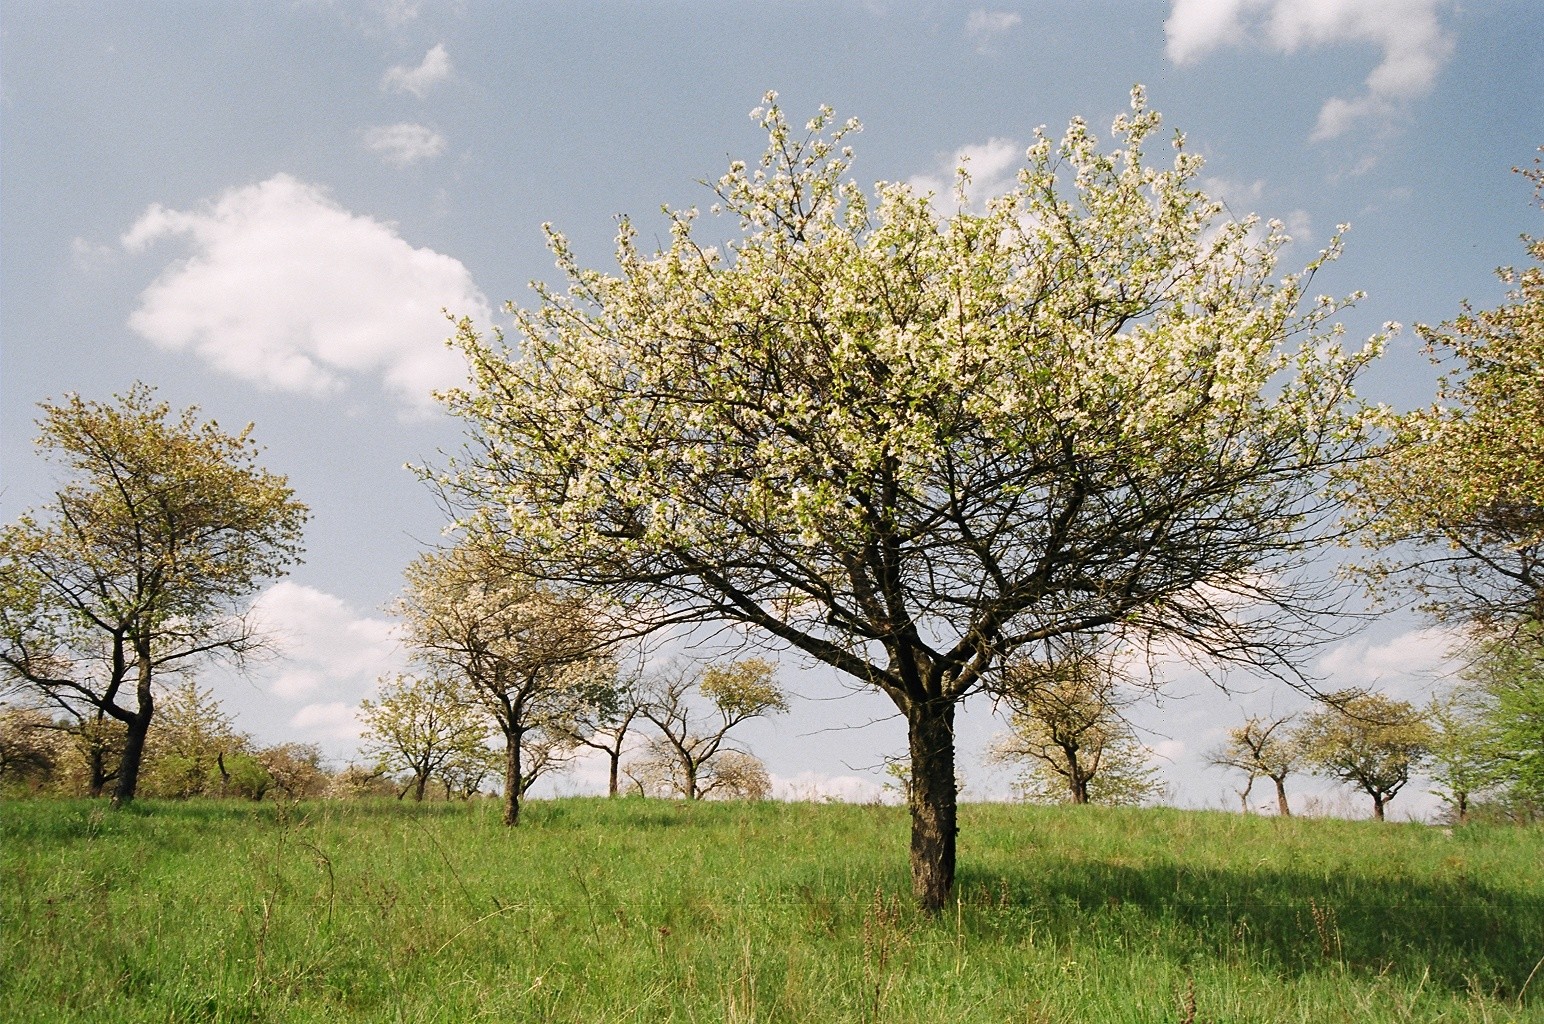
[531,659]
[1367,740]
[1068,733]
[141,566]
[1262,748]
[692,754]
[1456,500]
[908,441]
[424,726]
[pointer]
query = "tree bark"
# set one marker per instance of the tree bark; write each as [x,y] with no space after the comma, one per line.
[512,780]
[96,762]
[934,801]
[1281,797]
[616,767]
[1377,807]
[138,727]
[133,757]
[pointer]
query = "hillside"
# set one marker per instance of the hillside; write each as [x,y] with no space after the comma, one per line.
[652,911]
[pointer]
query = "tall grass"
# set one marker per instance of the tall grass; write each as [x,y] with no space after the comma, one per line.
[594,911]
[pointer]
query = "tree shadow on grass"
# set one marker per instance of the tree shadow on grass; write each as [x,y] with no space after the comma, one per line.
[1460,933]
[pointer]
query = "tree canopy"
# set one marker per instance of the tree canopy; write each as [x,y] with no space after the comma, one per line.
[1455,502]
[1068,732]
[908,439]
[1262,748]
[531,659]
[143,562]
[1367,740]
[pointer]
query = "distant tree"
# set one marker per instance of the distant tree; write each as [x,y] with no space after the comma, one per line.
[143,562]
[605,723]
[95,750]
[1367,740]
[1068,733]
[420,725]
[1466,756]
[1262,748]
[1509,674]
[188,748]
[30,752]
[532,659]
[692,751]
[734,775]
[463,777]
[356,780]
[297,770]
[909,440]
[1456,499]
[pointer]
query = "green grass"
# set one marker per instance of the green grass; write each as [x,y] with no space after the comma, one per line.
[594,911]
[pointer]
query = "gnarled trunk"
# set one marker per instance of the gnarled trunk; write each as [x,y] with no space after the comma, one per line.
[933,800]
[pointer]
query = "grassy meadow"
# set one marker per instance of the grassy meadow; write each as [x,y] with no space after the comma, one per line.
[594,911]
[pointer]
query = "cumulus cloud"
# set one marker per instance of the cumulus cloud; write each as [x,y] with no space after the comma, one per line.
[326,646]
[992,166]
[286,288]
[1409,33]
[334,721]
[403,144]
[1405,666]
[984,26]
[433,70]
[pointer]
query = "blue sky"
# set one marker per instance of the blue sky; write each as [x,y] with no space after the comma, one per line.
[261,208]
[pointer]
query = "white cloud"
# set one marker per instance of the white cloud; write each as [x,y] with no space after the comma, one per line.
[984,26]
[1409,33]
[1242,199]
[331,721]
[434,69]
[404,144]
[993,166]
[326,647]
[398,12]
[286,288]
[90,255]
[1405,666]
[1196,26]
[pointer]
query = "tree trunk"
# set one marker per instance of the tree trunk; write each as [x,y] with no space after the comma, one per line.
[1077,785]
[1281,797]
[1377,806]
[512,779]
[133,756]
[616,767]
[1463,807]
[420,781]
[96,763]
[689,767]
[933,800]
[138,728]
